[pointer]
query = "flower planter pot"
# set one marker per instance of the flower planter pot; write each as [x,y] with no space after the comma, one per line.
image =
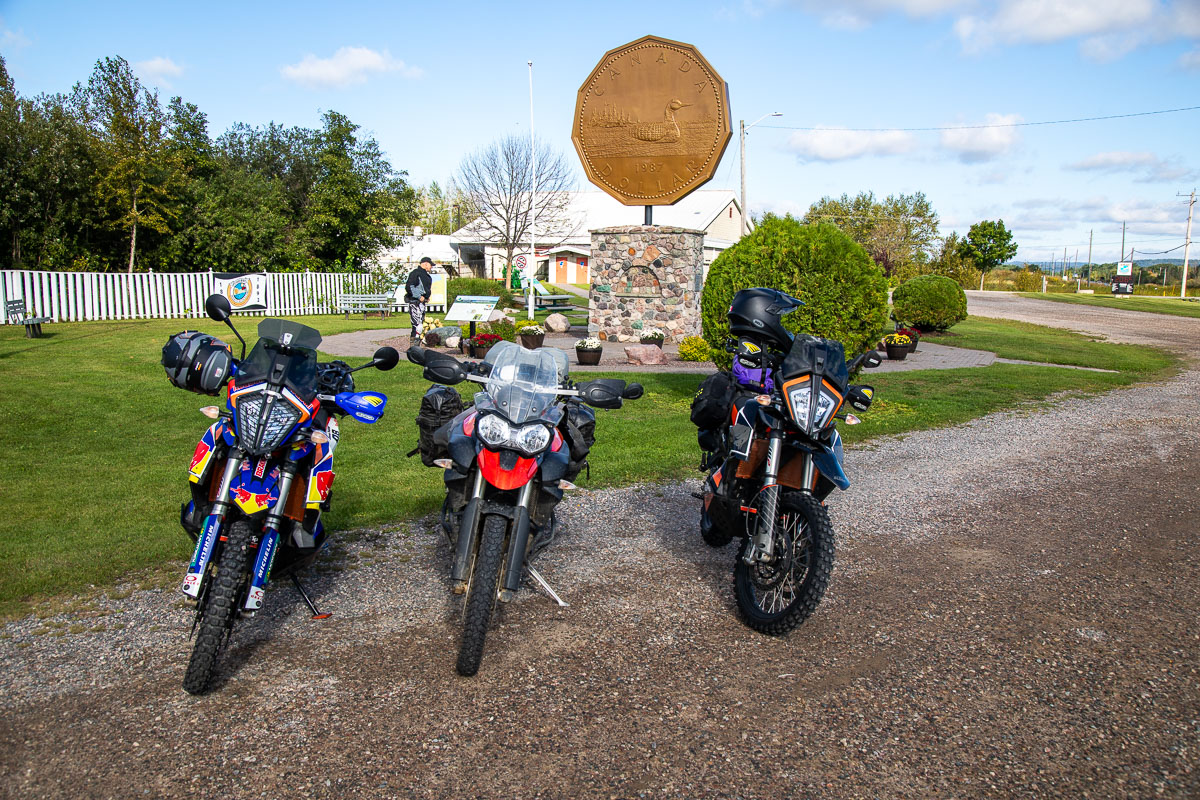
[656,342]
[897,352]
[481,352]
[588,357]
[531,341]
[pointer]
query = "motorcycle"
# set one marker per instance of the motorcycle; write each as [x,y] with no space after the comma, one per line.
[774,456]
[261,475]
[506,463]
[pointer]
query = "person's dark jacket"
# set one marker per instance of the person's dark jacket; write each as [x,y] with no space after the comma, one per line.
[420,285]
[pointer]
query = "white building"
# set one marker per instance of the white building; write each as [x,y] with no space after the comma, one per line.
[563,254]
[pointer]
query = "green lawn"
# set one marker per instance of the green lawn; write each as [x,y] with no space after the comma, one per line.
[96,442]
[1028,342]
[1153,305]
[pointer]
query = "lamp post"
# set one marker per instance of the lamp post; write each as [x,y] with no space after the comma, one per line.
[743,127]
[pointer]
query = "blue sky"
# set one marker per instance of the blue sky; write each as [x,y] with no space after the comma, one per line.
[433,82]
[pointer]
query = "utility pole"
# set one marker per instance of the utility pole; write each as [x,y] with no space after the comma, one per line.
[1122,258]
[1187,246]
[742,128]
[532,200]
[1089,258]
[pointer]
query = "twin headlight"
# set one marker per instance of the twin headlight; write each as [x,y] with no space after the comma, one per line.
[800,398]
[529,440]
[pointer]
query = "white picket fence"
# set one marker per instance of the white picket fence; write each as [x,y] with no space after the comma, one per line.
[76,296]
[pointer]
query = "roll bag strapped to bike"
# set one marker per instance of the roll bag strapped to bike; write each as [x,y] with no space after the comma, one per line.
[439,406]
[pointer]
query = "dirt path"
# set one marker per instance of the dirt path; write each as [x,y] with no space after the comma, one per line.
[1014,612]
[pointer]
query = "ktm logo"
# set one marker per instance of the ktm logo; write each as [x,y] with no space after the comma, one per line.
[751,347]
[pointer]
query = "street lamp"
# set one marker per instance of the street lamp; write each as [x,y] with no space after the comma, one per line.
[742,144]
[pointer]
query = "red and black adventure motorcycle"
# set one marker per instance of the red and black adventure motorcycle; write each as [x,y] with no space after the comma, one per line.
[507,461]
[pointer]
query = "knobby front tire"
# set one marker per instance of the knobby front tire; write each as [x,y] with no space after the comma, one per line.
[796,595]
[216,619]
[481,598]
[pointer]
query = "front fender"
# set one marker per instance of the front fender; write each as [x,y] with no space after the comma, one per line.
[829,461]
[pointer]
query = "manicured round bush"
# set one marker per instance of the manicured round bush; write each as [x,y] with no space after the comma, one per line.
[930,303]
[694,348]
[844,290]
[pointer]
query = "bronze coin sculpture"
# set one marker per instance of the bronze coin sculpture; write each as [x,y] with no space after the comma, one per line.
[651,122]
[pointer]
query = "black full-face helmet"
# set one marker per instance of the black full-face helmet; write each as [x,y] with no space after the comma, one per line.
[757,313]
[197,362]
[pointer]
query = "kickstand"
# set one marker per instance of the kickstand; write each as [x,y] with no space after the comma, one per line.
[542,582]
[315,613]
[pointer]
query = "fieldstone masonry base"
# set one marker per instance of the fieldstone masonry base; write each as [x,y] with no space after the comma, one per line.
[645,276]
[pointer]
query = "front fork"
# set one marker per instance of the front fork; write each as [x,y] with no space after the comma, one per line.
[270,540]
[468,538]
[193,582]
[762,544]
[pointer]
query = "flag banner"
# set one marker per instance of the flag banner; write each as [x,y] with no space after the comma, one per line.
[246,291]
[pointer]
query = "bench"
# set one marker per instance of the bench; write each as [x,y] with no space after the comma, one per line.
[380,304]
[17,315]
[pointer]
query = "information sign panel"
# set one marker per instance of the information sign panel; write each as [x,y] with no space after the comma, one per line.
[471,308]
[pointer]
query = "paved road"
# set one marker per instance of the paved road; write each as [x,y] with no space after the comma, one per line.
[1014,612]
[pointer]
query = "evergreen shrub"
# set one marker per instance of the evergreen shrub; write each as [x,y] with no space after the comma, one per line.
[844,290]
[930,303]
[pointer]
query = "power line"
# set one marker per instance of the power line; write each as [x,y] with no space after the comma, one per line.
[991,125]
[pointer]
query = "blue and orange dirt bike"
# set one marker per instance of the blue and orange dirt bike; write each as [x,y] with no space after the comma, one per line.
[261,474]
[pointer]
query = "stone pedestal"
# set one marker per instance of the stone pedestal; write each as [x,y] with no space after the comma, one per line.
[645,276]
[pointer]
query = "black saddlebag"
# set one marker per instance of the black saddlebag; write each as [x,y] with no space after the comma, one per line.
[710,407]
[439,405]
[579,429]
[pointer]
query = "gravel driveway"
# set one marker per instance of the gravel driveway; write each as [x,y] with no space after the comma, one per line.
[1014,612]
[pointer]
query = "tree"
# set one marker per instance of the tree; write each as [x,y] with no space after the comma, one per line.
[134,175]
[898,233]
[989,244]
[354,201]
[498,182]
[954,265]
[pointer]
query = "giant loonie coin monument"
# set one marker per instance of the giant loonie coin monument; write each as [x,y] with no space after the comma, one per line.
[651,123]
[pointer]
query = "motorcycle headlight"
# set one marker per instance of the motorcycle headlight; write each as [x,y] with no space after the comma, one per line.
[527,439]
[493,430]
[256,435]
[799,400]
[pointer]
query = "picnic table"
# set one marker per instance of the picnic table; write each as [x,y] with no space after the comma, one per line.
[554,302]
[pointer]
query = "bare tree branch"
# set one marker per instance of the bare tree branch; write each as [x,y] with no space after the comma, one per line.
[498,182]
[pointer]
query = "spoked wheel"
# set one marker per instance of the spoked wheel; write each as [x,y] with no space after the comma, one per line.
[216,618]
[776,597]
[481,597]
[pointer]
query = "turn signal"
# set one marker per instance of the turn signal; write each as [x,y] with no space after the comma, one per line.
[318,437]
[565,484]
[444,463]
[852,420]
[212,412]
[763,399]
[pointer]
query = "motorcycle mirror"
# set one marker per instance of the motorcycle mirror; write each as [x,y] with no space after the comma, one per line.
[872,359]
[386,358]
[217,307]
[416,354]
[603,392]
[632,392]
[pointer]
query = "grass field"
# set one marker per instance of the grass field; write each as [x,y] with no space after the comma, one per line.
[96,442]
[1152,305]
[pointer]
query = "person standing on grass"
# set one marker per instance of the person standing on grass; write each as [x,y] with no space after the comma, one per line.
[417,292]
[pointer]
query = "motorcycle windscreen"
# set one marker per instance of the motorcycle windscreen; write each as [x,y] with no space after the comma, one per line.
[522,384]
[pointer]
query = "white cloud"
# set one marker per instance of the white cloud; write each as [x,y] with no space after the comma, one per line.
[1190,60]
[158,71]
[974,145]
[1148,166]
[840,145]
[10,40]
[349,65]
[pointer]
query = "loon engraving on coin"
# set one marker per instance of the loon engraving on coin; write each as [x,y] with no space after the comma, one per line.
[651,122]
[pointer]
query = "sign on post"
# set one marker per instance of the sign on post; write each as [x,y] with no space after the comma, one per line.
[1125,268]
[471,308]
